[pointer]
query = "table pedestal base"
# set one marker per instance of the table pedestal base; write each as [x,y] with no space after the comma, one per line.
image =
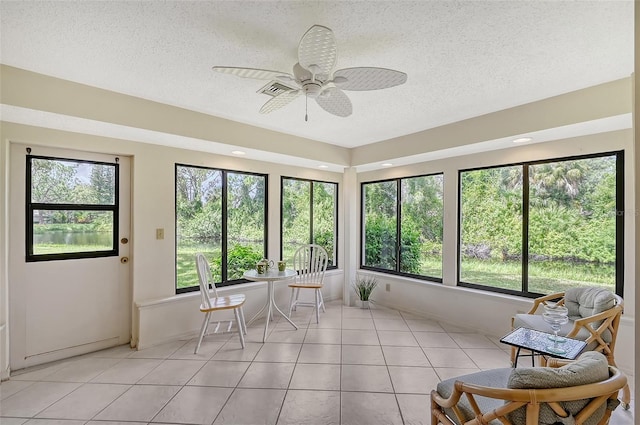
[269,306]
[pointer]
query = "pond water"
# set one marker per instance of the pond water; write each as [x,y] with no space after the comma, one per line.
[66,238]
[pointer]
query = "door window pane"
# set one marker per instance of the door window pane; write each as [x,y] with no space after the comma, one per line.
[65,231]
[71,208]
[56,181]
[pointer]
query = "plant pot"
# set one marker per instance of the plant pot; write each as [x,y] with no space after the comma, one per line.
[364,304]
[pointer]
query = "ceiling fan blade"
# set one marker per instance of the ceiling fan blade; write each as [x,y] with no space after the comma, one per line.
[279,101]
[335,101]
[258,74]
[366,78]
[317,50]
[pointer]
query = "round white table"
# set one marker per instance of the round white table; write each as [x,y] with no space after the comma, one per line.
[270,277]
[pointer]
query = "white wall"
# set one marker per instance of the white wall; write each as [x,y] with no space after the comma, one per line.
[153,206]
[487,312]
[152,191]
[4,254]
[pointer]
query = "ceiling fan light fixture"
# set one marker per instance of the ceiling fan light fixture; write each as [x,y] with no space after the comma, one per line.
[312,89]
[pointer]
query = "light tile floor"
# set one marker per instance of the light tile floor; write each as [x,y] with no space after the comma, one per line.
[356,367]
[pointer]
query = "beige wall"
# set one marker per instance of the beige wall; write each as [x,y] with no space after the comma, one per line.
[152,184]
[636,210]
[486,312]
[152,207]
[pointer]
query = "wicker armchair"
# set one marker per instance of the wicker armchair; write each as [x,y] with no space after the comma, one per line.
[581,392]
[594,315]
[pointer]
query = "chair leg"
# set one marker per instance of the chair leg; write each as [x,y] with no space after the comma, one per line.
[322,301]
[295,306]
[626,392]
[317,293]
[244,322]
[291,301]
[203,329]
[626,397]
[239,325]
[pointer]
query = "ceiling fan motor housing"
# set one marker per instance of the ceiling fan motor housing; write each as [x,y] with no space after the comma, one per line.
[312,89]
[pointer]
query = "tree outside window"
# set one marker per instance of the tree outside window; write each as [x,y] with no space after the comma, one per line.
[542,227]
[309,215]
[223,215]
[402,226]
[72,209]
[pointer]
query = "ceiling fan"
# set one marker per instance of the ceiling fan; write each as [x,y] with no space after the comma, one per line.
[314,77]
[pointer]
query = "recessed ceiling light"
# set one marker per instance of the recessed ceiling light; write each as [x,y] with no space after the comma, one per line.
[523,140]
[323,166]
[238,153]
[387,164]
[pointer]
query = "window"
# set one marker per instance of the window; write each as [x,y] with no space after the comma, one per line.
[72,209]
[222,214]
[309,211]
[561,216]
[402,223]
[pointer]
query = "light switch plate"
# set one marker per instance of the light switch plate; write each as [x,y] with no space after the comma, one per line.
[159,234]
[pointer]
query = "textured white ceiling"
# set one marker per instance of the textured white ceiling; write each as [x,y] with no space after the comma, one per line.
[463,59]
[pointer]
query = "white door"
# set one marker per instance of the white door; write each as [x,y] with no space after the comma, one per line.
[69,274]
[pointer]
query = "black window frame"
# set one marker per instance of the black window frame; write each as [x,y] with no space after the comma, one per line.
[620,199]
[224,172]
[398,247]
[335,214]
[30,207]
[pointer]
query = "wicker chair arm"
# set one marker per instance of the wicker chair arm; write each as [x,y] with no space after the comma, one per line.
[543,300]
[615,381]
[583,322]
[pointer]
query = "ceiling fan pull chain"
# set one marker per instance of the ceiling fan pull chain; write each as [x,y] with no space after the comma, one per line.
[306,107]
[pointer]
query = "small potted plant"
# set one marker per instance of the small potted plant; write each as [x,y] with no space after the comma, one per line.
[363,286]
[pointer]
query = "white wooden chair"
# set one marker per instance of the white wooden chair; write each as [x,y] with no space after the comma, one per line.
[211,302]
[310,262]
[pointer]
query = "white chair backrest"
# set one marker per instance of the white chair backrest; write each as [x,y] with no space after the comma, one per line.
[204,275]
[310,261]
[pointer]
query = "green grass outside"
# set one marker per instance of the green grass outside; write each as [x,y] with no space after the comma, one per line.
[186,274]
[431,266]
[51,248]
[544,277]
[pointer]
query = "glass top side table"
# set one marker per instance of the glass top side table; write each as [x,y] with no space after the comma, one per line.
[537,342]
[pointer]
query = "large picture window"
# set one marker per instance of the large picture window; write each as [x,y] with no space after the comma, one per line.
[402,223]
[72,209]
[222,214]
[309,211]
[542,227]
